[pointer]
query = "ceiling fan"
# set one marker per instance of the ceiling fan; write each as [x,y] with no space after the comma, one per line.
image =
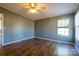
[35,8]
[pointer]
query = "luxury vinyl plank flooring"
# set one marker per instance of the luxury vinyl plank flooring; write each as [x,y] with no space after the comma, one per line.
[39,47]
[0,48]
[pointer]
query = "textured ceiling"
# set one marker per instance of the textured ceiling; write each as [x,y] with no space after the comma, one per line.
[51,9]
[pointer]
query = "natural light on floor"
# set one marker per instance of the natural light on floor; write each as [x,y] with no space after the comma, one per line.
[61,51]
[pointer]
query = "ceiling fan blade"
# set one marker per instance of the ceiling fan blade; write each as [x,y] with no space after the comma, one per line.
[27,6]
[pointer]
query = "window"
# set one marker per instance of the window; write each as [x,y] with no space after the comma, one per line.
[63,27]
[0,21]
[77,26]
[78,33]
[0,24]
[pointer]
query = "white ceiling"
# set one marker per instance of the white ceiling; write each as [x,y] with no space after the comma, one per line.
[51,9]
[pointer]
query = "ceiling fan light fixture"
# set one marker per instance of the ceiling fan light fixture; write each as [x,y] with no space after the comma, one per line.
[33,8]
[33,5]
[33,11]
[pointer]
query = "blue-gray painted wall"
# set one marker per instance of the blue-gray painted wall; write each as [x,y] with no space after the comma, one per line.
[16,26]
[47,28]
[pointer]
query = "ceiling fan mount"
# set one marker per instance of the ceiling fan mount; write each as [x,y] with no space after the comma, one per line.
[33,5]
[34,8]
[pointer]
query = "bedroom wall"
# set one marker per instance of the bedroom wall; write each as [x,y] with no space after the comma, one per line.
[16,26]
[47,28]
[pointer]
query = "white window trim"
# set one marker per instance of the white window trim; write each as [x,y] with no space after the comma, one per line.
[63,27]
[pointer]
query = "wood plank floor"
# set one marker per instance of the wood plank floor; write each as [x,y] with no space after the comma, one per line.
[39,47]
[0,49]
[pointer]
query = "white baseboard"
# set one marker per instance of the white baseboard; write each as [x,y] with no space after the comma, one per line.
[55,40]
[17,41]
[77,49]
[39,38]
